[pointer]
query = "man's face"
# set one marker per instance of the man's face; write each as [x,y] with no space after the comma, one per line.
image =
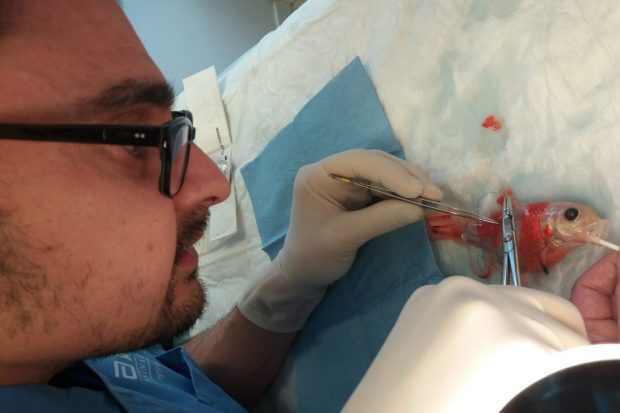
[93,258]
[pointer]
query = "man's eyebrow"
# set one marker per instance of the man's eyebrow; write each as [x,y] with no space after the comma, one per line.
[132,92]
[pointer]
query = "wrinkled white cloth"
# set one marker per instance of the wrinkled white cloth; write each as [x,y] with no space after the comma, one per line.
[545,68]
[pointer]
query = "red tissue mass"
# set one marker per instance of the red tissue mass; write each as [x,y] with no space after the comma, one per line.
[492,123]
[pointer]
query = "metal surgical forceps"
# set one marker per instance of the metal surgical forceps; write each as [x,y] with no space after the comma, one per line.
[510,268]
[423,202]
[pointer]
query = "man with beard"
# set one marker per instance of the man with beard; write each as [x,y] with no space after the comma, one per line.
[96,260]
[102,196]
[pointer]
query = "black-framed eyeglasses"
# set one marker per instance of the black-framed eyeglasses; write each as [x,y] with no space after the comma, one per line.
[173,139]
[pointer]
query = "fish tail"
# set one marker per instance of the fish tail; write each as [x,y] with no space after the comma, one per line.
[445,227]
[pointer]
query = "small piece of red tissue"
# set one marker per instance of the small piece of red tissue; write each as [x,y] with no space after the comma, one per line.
[492,123]
[506,192]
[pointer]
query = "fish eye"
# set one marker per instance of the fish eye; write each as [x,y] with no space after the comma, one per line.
[571,214]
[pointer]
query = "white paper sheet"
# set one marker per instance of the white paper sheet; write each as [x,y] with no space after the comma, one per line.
[202,97]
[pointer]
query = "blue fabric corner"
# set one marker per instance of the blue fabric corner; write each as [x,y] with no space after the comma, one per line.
[345,332]
[345,114]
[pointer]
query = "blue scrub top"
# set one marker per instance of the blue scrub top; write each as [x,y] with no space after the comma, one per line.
[148,380]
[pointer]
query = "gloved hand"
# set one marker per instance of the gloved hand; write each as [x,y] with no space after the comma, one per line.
[463,346]
[330,220]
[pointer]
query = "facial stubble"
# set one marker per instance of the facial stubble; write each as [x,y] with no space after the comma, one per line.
[176,317]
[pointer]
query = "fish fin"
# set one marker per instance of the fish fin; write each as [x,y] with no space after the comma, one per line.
[445,227]
[550,256]
[524,276]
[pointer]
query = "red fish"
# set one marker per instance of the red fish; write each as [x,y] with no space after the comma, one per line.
[546,233]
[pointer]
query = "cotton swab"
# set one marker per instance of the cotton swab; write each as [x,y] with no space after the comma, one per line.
[602,242]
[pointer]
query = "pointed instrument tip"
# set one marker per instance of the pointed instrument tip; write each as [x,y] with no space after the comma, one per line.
[340,178]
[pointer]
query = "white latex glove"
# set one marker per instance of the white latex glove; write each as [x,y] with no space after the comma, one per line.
[463,346]
[330,220]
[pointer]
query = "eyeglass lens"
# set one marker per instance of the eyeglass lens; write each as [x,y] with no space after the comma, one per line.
[180,152]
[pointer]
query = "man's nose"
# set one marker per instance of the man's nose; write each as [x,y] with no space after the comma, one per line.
[204,185]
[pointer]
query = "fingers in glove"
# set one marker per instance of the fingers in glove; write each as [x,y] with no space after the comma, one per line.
[431,191]
[312,180]
[378,219]
[384,169]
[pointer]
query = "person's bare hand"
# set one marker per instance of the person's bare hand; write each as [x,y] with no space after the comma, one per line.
[595,294]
